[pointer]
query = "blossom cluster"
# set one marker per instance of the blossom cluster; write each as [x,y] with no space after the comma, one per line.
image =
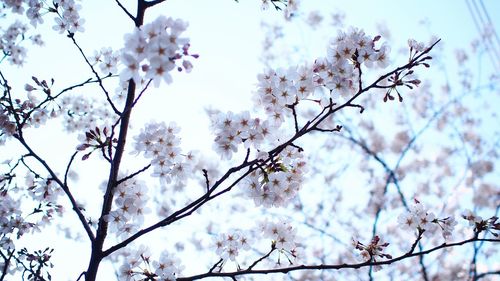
[160,143]
[372,251]
[482,167]
[34,117]
[279,182]
[84,114]
[487,195]
[228,245]
[9,42]
[418,218]
[39,117]
[282,235]
[67,11]
[16,6]
[11,219]
[232,129]
[68,16]
[284,238]
[355,47]
[130,204]
[291,6]
[81,114]
[139,265]
[491,225]
[44,190]
[29,111]
[33,12]
[338,72]
[279,90]
[44,193]
[7,127]
[106,59]
[153,50]
[415,47]
[472,218]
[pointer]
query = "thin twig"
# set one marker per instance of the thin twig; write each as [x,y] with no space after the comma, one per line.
[153,3]
[68,167]
[216,265]
[81,275]
[115,110]
[118,182]
[273,247]
[207,182]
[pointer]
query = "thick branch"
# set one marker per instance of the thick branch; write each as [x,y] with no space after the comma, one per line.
[102,229]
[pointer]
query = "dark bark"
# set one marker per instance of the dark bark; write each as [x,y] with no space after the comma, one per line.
[102,229]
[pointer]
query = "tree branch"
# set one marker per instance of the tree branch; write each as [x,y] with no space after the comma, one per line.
[118,182]
[331,266]
[102,228]
[99,80]
[125,10]
[273,247]
[193,206]
[6,263]
[64,187]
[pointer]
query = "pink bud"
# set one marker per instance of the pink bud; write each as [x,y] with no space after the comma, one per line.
[28,87]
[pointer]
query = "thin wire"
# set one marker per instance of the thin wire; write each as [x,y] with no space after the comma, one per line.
[491,48]
[479,29]
[490,23]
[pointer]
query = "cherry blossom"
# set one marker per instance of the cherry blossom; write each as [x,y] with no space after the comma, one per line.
[284,238]
[228,245]
[166,268]
[152,51]
[425,222]
[471,217]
